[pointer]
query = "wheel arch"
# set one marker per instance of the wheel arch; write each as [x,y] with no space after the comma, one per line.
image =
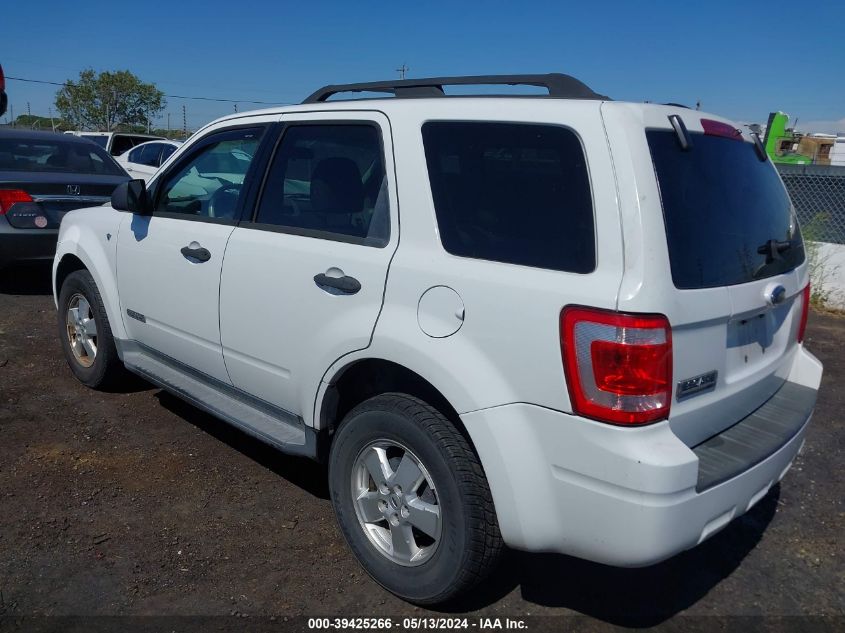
[72,256]
[365,378]
[68,264]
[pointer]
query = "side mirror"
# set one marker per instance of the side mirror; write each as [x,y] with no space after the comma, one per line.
[132,197]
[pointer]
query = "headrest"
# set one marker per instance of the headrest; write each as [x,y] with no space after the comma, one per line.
[336,186]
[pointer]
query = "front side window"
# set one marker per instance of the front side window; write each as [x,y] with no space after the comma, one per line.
[512,192]
[328,181]
[208,184]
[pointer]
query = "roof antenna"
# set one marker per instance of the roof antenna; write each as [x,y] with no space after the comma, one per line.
[402,70]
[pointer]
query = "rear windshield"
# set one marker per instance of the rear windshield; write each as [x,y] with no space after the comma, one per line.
[72,156]
[515,193]
[728,217]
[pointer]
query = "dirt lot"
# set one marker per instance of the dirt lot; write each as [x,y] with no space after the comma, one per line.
[135,503]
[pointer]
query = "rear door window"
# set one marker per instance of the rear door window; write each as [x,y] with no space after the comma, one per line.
[514,193]
[328,181]
[723,207]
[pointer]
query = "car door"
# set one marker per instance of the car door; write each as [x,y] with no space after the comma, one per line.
[304,278]
[168,263]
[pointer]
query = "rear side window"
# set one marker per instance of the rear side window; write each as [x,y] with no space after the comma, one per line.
[722,208]
[514,193]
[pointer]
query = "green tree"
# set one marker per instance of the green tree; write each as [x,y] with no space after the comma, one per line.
[108,100]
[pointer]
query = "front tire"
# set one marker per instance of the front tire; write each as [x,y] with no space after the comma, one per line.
[412,500]
[85,333]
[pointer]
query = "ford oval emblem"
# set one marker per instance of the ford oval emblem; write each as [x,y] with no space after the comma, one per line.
[777,295]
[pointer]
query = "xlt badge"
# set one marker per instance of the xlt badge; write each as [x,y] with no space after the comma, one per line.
[698,384]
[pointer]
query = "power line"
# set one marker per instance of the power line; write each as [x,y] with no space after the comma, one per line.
[56,83]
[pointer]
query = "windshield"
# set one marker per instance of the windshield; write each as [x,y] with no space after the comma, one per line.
[50,155]
[728,218]
[99,139]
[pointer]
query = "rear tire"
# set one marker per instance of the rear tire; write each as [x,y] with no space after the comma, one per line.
[85,333]
[438,536]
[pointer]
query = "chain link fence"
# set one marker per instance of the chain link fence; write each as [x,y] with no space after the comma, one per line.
[818,193]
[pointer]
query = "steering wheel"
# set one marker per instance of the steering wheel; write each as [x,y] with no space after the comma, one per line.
[223,202]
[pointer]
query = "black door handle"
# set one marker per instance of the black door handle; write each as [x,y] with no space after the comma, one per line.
[345,285]
[200,254]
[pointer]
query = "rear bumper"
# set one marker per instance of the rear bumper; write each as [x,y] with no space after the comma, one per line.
[625,497]
[26,245]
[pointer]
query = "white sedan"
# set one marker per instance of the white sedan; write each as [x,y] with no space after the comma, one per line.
[143,160]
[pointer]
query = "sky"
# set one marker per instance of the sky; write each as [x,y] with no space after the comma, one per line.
[740,59]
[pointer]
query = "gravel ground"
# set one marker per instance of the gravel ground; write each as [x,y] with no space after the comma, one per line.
[137,504]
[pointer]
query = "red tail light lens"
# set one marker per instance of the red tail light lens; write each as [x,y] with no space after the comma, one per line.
[717,128]
[805,312]
[618,366]
[8,197]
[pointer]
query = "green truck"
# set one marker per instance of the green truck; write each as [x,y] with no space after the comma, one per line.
[780,141]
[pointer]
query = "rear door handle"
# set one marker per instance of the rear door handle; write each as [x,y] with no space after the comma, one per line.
[197,253]
[344,285]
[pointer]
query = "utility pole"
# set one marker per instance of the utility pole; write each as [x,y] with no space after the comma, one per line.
[12,114]
[52,124]
[28,110]
[402,70]
[168,125]
[184,123]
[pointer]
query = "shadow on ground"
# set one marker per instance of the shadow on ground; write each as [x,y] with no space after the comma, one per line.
[304,473]
[32,279]
[627,597]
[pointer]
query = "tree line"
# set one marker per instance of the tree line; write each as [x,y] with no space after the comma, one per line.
[108,101]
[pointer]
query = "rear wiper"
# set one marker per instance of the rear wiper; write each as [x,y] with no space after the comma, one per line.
[773,248]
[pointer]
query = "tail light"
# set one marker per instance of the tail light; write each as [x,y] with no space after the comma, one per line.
[717,128]
[805,312]
[618,366]
[9,197]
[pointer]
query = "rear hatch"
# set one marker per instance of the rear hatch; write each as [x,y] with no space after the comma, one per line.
[718,250]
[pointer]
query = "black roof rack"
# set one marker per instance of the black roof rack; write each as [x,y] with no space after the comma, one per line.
[559,86]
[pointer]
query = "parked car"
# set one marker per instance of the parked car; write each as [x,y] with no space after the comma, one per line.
[4,99]
[115,143]
[561,323]
[143,160]
[44,175]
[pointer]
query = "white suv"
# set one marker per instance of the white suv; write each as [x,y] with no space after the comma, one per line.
[561,323]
